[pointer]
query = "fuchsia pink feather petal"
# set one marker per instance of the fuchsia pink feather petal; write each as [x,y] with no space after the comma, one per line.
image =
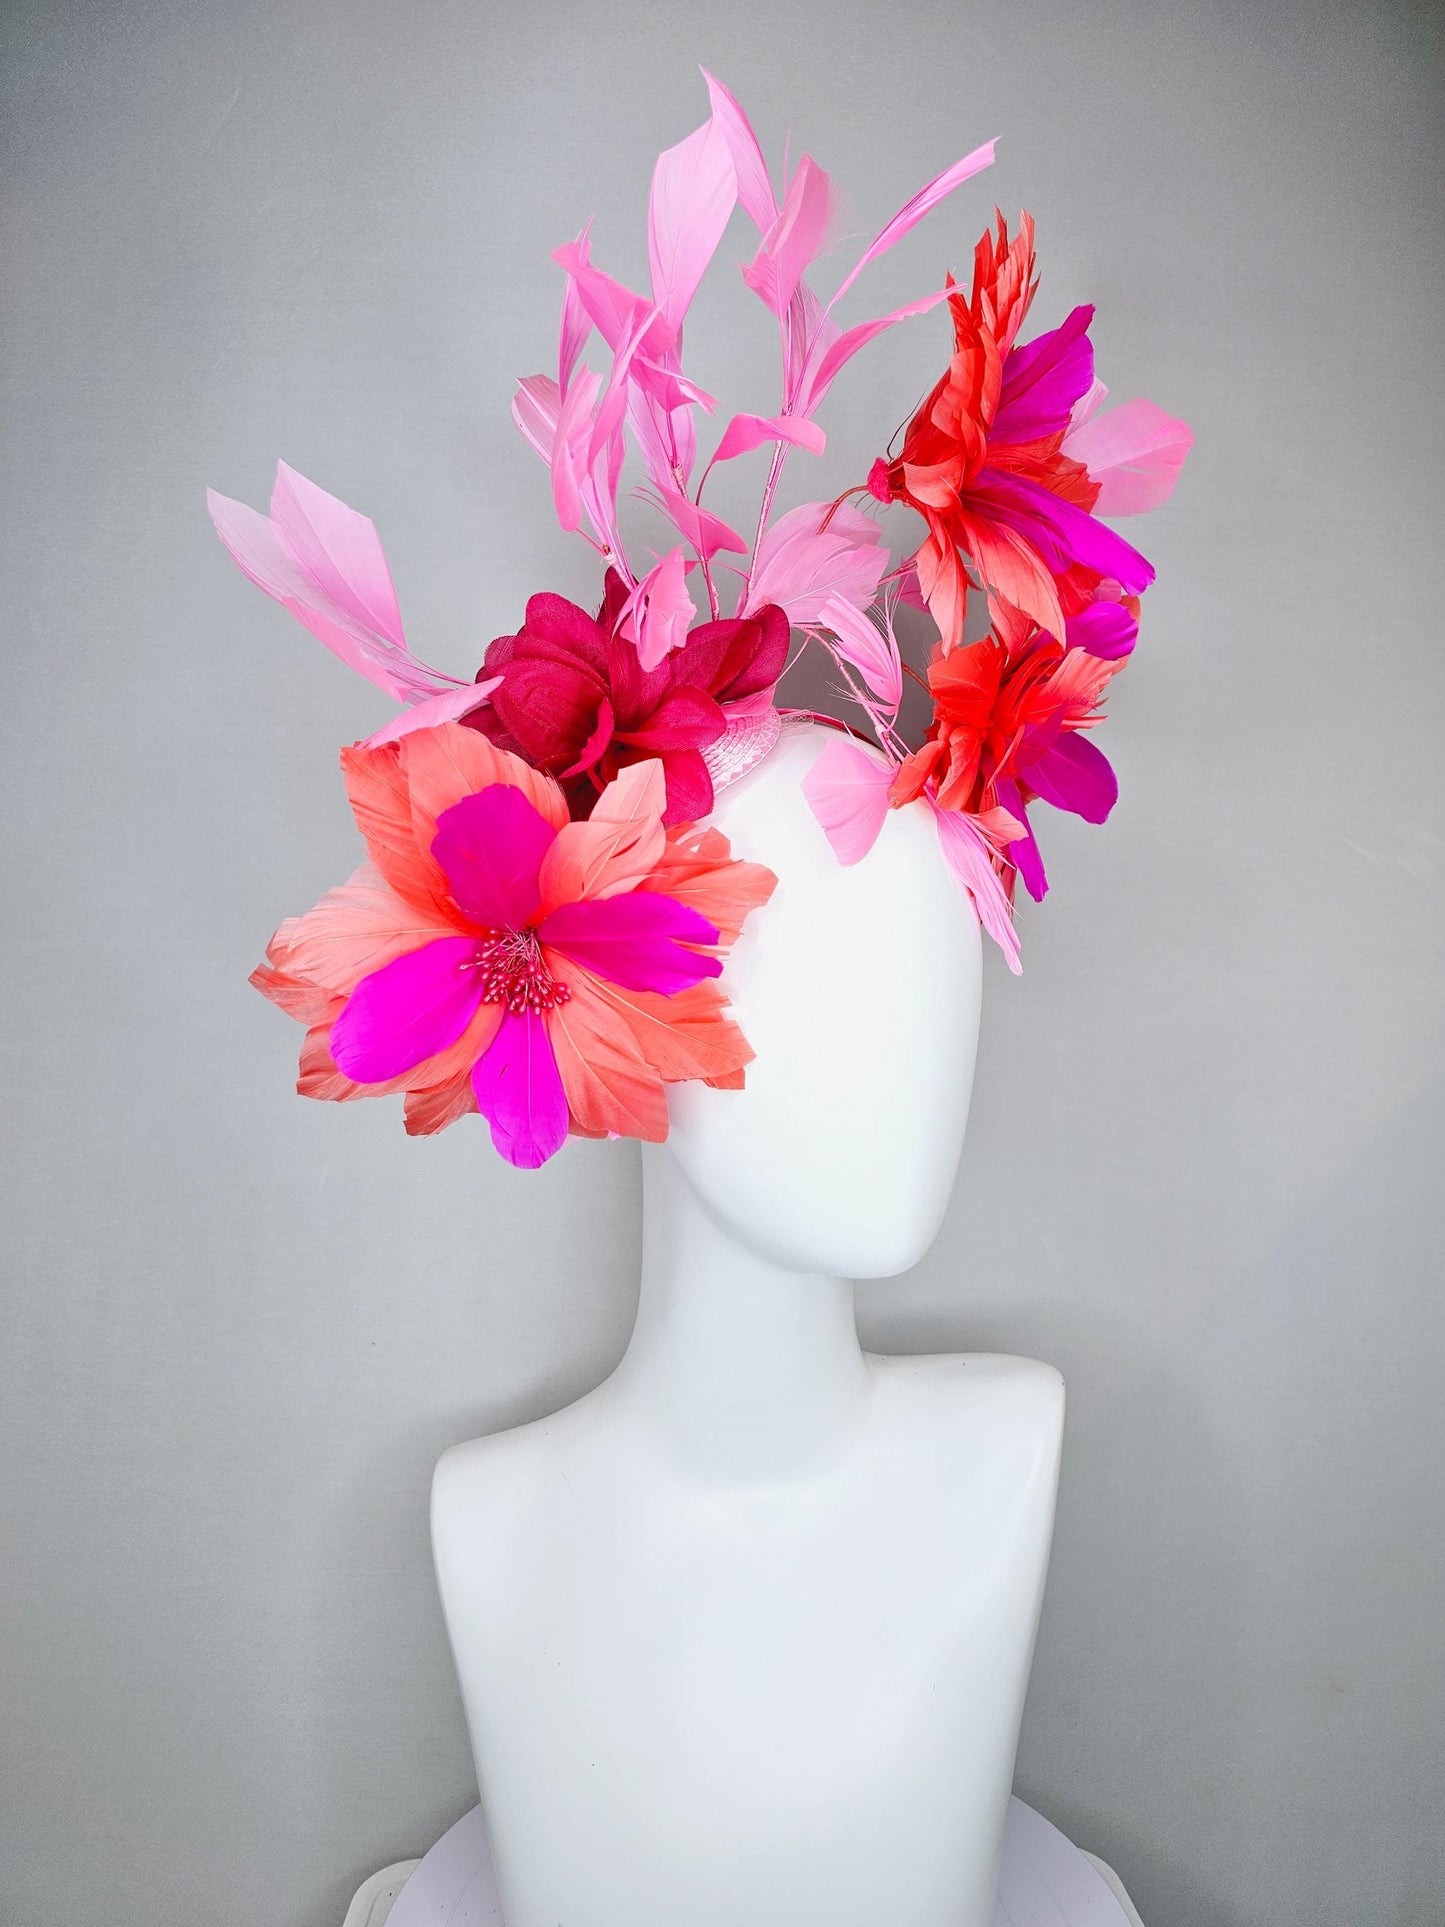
[638,940]
[1058,530]
[1044,381]
[847,790]
[1023,850]
[491,845]
[407,1011]
[694,190]
[518,1089]
[923,203]
[1104,629]
[969,858]
[1073,774]
[744,433]
[1135,453]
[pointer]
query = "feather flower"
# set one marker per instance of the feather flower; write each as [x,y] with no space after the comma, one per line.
[493,955]
[984,460]
[1010,726]
[573,696]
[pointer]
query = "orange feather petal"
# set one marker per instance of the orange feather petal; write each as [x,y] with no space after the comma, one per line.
[610,1085]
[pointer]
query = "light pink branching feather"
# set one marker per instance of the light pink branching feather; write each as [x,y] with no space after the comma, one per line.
[658,613]
[847,790]
[324,563]
[704,532]
[755,189]
[536,407]
[1134,452]
[694,191]
[970,858]
[859,641]
[747,432]
[795,239]
[576,323]
[829,358]
[912,212]
[800,564]
[446,706]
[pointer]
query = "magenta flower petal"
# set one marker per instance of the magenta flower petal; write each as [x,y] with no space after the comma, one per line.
[519,1091]
[1105,629]
[491,846]
[548,705]
[407,1011]
[686,718]
[636,940]
[1043,380]
[552,618]
[1023,852]
[1062,533]
[688,784]
[1073,775]
[596,743]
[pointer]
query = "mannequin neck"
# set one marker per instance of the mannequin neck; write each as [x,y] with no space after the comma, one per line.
[750,1369]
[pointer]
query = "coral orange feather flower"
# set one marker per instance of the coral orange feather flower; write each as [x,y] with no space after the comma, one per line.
[495,956]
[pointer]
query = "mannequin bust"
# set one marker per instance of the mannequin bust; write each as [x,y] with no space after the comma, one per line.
[743,1635]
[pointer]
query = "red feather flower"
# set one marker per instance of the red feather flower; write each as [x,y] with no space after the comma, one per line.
[1008,723]
[983,459]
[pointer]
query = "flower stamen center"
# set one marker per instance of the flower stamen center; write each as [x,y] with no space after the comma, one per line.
[513,973]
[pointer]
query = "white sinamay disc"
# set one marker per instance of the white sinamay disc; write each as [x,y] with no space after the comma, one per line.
[1045,1881]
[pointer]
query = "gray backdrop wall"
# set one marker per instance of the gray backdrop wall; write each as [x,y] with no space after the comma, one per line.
[1204,1169]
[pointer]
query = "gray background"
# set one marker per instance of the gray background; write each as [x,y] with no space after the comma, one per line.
[1204,1169]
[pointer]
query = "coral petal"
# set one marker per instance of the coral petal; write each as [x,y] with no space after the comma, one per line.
[610,1085]
[615,848]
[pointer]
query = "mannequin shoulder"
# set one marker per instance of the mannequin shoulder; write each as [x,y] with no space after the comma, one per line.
[964,1394]
[503,1472]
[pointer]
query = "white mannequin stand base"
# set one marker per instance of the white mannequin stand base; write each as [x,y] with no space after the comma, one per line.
[1045,1881]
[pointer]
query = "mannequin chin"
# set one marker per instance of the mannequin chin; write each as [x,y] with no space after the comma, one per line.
[859,990]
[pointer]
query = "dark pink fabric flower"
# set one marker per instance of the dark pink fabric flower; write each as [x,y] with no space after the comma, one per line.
[575,701]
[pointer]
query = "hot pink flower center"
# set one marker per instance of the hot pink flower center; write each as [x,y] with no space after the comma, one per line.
[513,973]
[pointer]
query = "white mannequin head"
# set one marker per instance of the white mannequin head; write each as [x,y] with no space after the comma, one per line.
[859,990]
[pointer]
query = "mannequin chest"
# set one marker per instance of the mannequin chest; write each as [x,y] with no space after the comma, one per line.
[848,1626]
